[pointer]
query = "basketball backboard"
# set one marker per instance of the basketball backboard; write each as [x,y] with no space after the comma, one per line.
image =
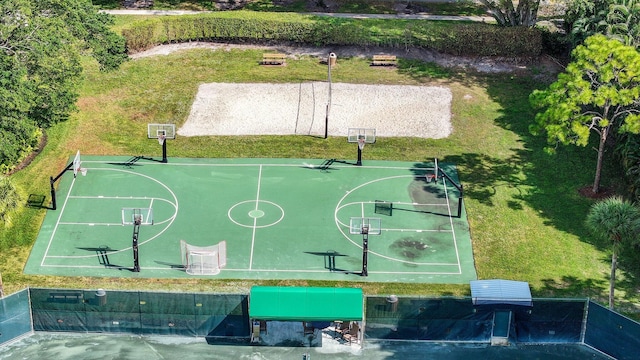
[154,131]
[130,215]
[77,163]
[365,225]
[355,134]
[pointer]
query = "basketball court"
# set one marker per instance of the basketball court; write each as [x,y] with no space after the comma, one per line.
[256,219]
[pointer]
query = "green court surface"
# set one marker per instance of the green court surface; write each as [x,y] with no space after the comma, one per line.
[280,218]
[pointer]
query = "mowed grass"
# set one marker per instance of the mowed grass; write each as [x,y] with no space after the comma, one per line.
[525,213]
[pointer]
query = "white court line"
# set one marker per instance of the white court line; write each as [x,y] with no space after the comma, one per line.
[299,165]
[355,272]
[55,228]
[261,166]
[151,207]
[340,224]
[414,230]
[111,197]
[453,232]
[414,203]
[255,219]
[169,220]
[90,224]
[319,271]
[338,221]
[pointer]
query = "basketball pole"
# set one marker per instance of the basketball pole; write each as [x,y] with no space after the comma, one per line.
[53,193]
[136,230]
[365,250]
[164,151]
[459,187]
[360,147]
[52,182]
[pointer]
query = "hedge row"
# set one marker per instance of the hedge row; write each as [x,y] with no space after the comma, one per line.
[473,39]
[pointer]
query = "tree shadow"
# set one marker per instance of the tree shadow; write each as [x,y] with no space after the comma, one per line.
[552,181]
[629,261]
[547,184]
[569,286]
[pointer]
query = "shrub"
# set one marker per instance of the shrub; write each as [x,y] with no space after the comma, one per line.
[10,199]
[18,138]
[475,39]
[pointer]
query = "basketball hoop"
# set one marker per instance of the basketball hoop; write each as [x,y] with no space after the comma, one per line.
[161,139]
[361,136]
[79,169]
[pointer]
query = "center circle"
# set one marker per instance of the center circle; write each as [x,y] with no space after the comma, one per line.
[256,213]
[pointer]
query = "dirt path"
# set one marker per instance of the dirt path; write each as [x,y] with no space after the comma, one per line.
[543,65]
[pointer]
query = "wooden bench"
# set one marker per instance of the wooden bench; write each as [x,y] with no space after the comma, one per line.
[274,59]
[384,60]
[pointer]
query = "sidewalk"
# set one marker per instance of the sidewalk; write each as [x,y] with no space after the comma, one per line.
[485,19]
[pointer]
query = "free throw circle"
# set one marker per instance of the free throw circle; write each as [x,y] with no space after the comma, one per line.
[256,213]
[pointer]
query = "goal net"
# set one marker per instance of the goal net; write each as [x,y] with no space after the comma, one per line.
[203,260]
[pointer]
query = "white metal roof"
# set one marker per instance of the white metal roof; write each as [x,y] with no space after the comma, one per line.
[487,292]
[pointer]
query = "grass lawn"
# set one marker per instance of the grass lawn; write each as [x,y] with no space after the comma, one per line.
[524,209]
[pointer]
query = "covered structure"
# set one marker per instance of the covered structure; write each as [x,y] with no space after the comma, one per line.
[316,308]
[305,303]
[495,292]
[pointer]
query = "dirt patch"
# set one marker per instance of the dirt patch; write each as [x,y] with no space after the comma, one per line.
[410,248]
[543,65]
[587,191]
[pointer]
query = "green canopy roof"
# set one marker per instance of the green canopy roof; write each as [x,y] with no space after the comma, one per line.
[305,303]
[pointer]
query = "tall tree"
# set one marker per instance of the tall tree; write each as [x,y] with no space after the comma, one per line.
[90,28]
[598,92]
[616,221]
[506,14]
[40,71]
[18,134]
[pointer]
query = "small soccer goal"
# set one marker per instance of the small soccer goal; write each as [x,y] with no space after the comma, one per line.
[203,260]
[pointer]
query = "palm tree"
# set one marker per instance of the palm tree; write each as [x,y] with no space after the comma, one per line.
[9,199]
[617,221]
[525,13]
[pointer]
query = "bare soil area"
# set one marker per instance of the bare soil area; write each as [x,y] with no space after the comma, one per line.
[542,65]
